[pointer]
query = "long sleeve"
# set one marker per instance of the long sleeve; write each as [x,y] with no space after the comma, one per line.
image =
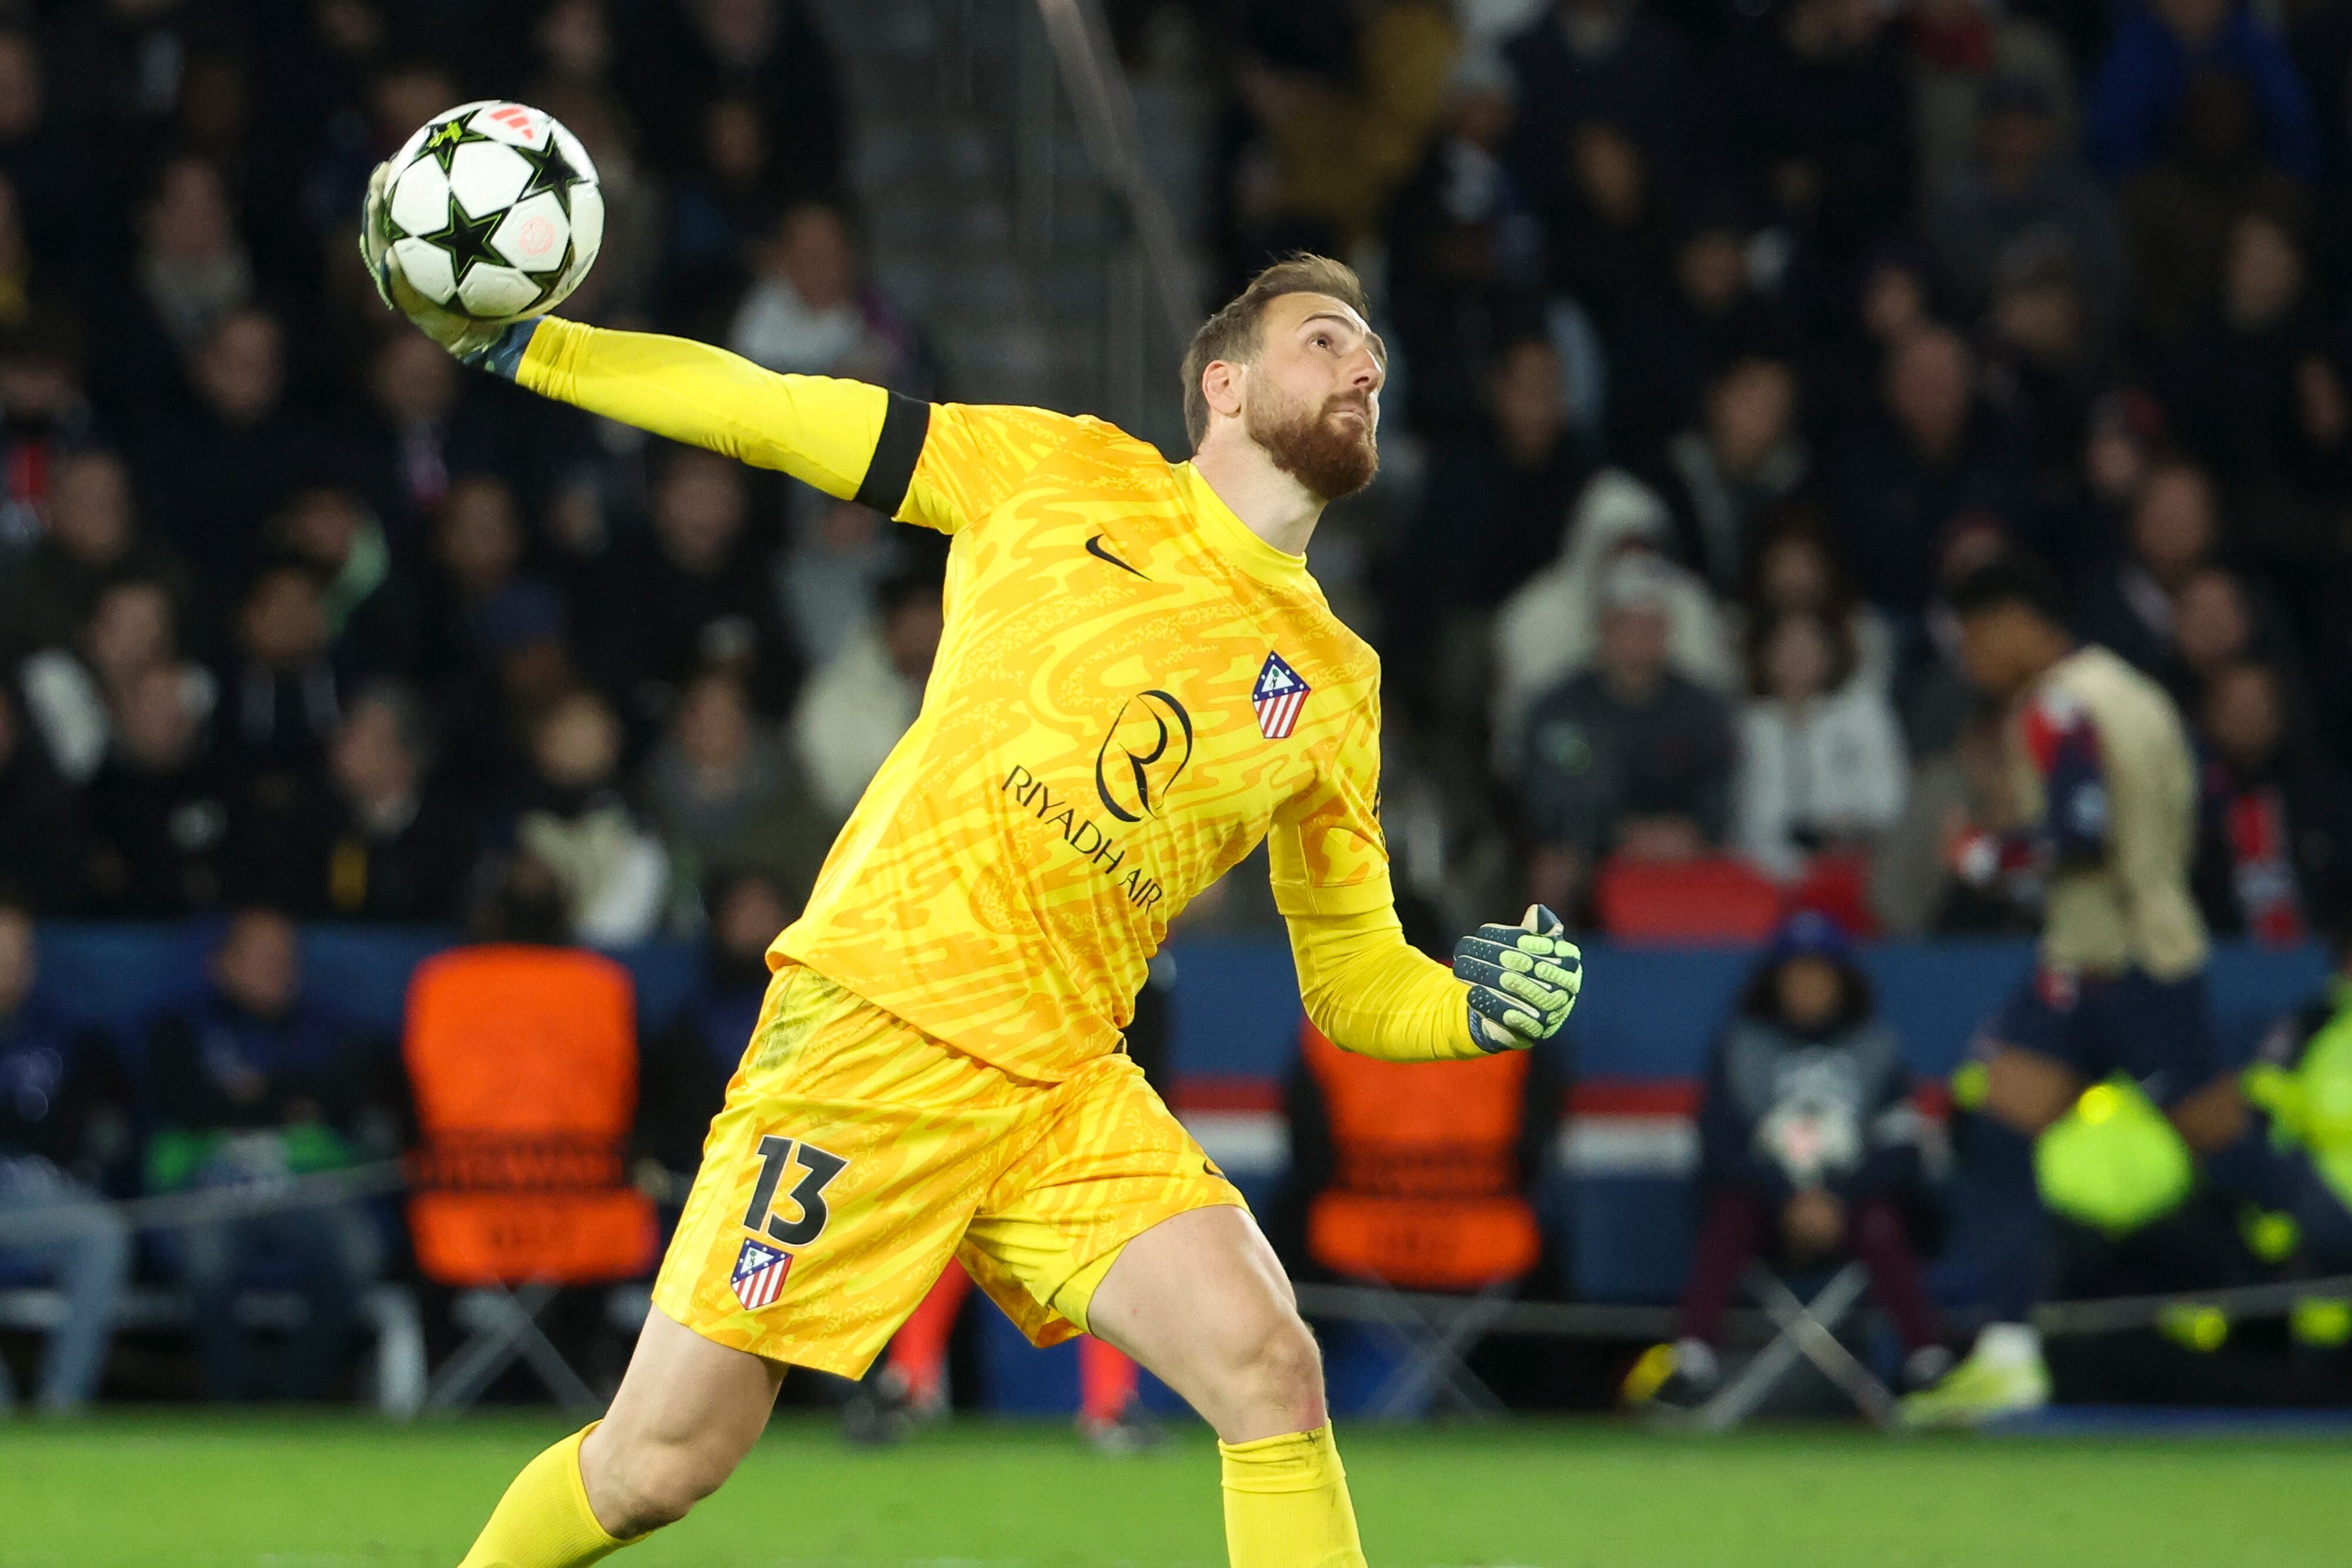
[821,431]
[1370,993]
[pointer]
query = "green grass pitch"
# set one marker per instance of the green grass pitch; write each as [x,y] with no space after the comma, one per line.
[172,1490]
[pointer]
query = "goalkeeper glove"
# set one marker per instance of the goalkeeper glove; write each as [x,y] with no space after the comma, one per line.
[494,346]
[1523,980]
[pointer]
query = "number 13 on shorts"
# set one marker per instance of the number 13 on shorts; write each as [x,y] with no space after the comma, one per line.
[815,1169]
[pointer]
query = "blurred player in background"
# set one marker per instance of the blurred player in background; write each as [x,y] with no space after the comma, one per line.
[2103,793]
[1137,682]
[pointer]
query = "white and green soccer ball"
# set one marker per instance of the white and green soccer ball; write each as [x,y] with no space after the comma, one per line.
[494,211]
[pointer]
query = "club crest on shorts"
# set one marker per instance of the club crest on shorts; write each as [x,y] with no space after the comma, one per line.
[1277,696]
[758,1276]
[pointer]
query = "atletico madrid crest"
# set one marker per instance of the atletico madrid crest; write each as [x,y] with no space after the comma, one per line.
[1279,697]
[759,1272]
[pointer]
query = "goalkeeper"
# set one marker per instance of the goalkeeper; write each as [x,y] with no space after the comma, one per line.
[1138,681]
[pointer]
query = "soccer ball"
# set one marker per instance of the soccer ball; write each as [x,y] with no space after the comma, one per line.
[494,211]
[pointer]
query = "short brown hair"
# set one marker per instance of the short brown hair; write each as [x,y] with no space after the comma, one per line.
[1233,333]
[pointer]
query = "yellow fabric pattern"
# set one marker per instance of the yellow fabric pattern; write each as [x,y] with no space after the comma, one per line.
[544,1519]
[899,1152]
[1287,1503]
[816,429]
[1089,757]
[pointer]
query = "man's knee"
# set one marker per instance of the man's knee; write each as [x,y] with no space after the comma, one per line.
[639,1484]
[1283,1370]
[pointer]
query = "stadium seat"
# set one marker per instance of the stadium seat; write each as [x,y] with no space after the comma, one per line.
[523,1063]
[1694,901]
[1423,1207]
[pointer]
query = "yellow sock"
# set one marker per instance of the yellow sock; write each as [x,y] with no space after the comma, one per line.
[1287,1503]
[544,1519]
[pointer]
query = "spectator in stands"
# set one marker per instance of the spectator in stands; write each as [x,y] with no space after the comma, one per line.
[2173,529]
[1913,888]
[2176,214]
[92,539]
[1808,1151]
[43,836]
[65,1131]
[2220,618]
[572,816]
[478,551]
[677,56]
[1465,257]
[692,596]
[159,808]
[809,312]
[386,841]
[192,272]
[1337,148]
[824,580]
[1793,568]
[2023,183]
[717,208]
[728,796]
[683,1078]
[856,707]
[213,476]
[1966,55]
[406,462]
[369,613]
[281,696]
[1629,759]
[248,1084]
[1495,506]
[2046,362]
[44,416]
[1610,62]
[1550,628]
[131,624]
[2274,821]
[2159,47]
[1935,456]
[1743,456]
[2257,392]
[1821,765]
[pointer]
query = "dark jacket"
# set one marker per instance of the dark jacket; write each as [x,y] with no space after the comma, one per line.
[63,1096]
[1591,760]
[1784,1111]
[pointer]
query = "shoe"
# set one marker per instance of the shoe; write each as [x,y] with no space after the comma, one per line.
[1132,1431]
[885,1407]
[1980,1389]
[1670,1379]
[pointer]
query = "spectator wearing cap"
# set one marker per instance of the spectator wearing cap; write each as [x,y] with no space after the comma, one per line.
[1822,768]
[1933,455]
[2275,816]
[1808,1151]
[1628,757]
[1960,51]
[855,708]
[65,1131]
[1743,456]
[2159,47]
[2022,182]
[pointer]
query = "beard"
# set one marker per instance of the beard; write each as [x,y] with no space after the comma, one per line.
[1330,458]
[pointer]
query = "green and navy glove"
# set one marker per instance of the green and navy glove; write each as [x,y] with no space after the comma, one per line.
[1523,980]
[494,346]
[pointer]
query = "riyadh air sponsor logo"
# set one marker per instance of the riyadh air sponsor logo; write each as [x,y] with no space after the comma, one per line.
[1083,834]
[1145,751]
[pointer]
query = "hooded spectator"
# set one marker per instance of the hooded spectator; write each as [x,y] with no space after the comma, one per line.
[2021,184]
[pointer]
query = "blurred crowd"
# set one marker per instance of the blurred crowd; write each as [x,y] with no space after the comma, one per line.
[1728,336]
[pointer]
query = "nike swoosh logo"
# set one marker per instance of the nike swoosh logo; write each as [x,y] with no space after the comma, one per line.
[1095,548]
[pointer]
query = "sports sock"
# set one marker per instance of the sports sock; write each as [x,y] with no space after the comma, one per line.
[1287,1503]
[544,1519]
[1105,1381]
[919,1351]
[2008,1344]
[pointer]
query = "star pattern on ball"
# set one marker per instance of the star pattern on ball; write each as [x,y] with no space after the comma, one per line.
[550,171]
[447,138]
[466,239]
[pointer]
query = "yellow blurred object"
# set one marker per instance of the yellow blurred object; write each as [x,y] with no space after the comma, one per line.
[2195,1326]
[2323,1322]
[2114,1161]
[1648,1374]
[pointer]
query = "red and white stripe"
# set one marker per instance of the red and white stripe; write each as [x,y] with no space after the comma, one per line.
[1278,716]
[762,1281]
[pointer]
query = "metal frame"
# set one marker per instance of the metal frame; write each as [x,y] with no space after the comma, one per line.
[1806,1331]
[503,1328]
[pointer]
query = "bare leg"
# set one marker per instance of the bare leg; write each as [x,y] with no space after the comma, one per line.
[687,1412]
[1200,1299]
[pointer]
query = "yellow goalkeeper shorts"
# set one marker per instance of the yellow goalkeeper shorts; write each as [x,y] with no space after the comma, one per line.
[856,1155]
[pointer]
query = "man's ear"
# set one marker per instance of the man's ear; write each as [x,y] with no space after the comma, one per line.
[1221,385]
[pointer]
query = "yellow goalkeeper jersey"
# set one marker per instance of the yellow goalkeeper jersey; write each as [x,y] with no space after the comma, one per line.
[1132,690]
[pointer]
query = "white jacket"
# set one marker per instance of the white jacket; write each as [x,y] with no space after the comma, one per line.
[1836,765]
[852,713]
